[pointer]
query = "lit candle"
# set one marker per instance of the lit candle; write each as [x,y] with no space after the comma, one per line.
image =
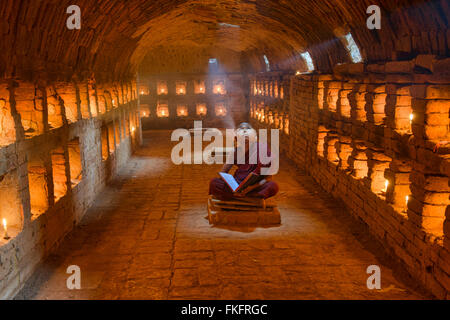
[406,204]
[5,227]
[297,73]
[411,117]
[133,129]
[386,184]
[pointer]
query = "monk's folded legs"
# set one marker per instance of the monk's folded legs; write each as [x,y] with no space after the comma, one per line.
[267,190]
[220,190]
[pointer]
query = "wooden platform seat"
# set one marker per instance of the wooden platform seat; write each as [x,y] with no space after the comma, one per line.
[245,211]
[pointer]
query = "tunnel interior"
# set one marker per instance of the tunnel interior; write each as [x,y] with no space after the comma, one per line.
[363,111]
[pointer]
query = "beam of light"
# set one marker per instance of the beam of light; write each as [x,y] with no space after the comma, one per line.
[353,49]
[229,25]
[267,63]
[309,62]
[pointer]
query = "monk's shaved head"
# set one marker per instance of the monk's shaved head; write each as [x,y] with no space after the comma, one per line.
[244,125]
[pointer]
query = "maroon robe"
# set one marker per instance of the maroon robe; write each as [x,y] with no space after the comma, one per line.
[220,190]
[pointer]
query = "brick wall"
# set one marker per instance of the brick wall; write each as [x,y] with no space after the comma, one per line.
[376,137]
[53,163]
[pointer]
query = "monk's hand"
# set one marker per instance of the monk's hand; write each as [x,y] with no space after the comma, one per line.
[240,194]
[244,192]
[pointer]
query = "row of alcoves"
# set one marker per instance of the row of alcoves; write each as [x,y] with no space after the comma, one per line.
[270,116]
[365,132]
[112,134]
[267,87]
[359,115]
[374,104]
[182,87]
[388,178]
[376,147]
[162,110]
[392,180]
[51,173]
[40,178]
[39,110]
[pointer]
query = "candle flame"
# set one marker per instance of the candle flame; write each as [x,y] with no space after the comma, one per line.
[4,224]
[386,184]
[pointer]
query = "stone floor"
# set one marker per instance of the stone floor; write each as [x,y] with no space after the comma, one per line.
[147,238]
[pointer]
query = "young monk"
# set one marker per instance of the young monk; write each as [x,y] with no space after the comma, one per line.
[264,189]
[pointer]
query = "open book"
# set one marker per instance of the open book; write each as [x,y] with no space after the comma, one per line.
[250,180]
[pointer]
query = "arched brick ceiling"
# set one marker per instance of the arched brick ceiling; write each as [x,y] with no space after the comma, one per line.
[116,35]
[222,25]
